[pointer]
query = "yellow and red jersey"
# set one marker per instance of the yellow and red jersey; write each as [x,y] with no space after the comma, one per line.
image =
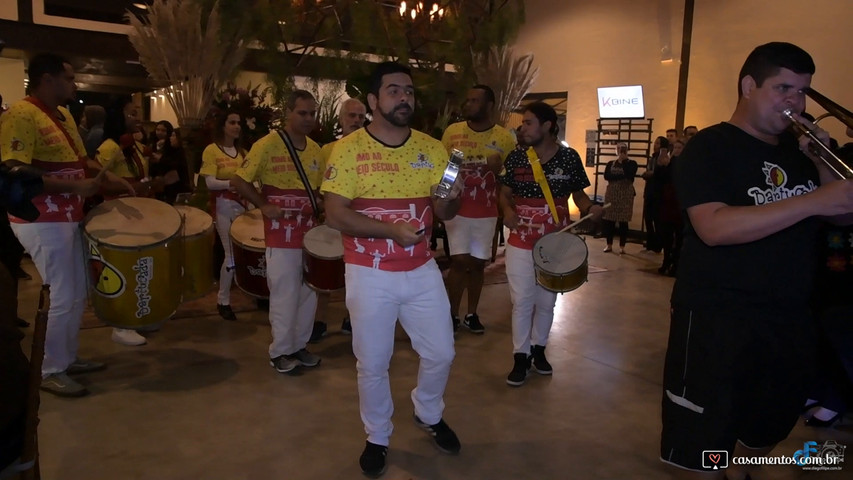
[218,164]
[31,134]
[479,197]
[390,184]
[269,163]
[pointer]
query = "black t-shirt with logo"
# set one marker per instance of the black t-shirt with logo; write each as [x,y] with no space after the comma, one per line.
[724,164]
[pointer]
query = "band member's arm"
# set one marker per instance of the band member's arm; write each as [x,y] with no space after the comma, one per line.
[717,223]
[214,183]
[495,163]
[250,193]
[446,208]
[507,205]
[340,216]
[586,206]
[85,187]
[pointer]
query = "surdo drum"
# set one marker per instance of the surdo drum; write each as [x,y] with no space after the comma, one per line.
[323,259]
[250,262]
[134,261]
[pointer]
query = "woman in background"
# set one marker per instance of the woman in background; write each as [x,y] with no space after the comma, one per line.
[220,161]
[620,194]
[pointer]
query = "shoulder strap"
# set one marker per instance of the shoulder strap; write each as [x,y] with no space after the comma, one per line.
[542,180]
[52,115]
[293,156]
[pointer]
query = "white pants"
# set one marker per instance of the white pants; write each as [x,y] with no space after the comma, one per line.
[471,236]
[376,299]
[292,303]
[532,305]
[227,211]
[57,251]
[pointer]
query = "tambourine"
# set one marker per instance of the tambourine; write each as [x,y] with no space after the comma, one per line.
[450,174]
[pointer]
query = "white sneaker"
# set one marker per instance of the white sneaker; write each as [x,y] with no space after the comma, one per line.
[608,249]
[131,338]
[621,251]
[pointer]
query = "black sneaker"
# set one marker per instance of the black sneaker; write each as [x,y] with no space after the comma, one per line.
[372,460]
[456,322]
[540,363]
[519,370]
[346,326]
[226,312]
[472,322]
[445,439]
[318,332]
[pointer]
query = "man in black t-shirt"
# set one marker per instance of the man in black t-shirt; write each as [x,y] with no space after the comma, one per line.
[740,339]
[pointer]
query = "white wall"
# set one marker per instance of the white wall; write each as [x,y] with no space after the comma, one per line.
[12,80]
[580,45]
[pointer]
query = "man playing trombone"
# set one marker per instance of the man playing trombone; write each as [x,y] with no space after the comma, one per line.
[740,342]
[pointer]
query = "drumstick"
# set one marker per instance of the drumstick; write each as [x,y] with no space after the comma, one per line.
[530,225]
[583,218]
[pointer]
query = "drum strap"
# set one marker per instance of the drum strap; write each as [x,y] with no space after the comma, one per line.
[542,180]
[301,171]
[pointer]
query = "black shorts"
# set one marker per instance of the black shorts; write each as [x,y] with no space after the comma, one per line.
[732,376]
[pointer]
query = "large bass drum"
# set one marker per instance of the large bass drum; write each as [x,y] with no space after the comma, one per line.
[560,262]
[197,251]
[134,261]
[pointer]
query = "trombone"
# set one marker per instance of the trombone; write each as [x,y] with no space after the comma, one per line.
[817,147]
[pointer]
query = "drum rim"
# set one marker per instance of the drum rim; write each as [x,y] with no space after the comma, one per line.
[127,248]
[317,256]
[241,244]
[585,259]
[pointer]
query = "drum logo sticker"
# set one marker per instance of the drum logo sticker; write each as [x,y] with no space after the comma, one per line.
[260,270]
[144,269]
[106,279]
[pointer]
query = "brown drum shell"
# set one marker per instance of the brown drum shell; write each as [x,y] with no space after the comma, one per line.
[250,271]
[321,274]
[323,259]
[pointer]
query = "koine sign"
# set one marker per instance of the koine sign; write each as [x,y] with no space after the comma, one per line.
[621,102]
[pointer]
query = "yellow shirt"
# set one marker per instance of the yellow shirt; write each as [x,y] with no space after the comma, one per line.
[35,137]
[326,151]
[269,163]
[479,197]
[390,184]
[216,163]
[110,153]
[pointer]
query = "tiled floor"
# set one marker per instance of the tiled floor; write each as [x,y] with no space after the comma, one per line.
[200,400]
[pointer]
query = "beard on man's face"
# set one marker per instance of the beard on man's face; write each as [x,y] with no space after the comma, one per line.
[399,116]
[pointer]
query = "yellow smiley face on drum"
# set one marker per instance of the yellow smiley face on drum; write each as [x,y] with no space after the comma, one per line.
[107,281]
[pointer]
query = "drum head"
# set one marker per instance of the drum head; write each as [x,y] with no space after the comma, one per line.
[248,230]
[196,221]
[132,222]
[560,253]
[324,242]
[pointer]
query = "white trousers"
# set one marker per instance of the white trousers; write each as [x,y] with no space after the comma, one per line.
[532,305]
[292,303]
[57,251]
[227,211]
[376,299]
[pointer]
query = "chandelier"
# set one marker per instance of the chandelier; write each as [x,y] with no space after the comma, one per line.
[435,12]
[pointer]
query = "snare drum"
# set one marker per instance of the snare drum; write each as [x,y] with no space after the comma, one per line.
[560,262]
[250,261]
[323,259]
[197,252]
[134,261]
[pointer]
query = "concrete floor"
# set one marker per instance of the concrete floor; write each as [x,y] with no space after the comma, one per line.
[201,401]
